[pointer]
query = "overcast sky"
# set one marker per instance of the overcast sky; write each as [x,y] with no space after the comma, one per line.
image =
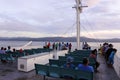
[50,18]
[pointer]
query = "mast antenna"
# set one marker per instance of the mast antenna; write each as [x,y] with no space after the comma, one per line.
[78,8]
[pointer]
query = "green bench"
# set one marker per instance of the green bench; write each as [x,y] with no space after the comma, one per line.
[82,55]
[82,51]
[57,72]
[79,59]
[60,63]
[7,57]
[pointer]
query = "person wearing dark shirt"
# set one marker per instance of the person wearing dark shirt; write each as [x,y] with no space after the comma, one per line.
[70,46]
[8,50]
[93,55]
[107,54]
[111,57]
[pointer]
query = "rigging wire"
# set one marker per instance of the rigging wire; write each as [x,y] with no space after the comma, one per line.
[69,28]
[90,27]
[90,35]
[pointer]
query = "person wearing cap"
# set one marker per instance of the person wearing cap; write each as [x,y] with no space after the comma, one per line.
[69,63]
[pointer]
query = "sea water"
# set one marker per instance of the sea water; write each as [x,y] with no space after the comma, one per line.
[94,45]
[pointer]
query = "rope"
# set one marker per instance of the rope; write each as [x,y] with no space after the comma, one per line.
[68,29]
[90,27]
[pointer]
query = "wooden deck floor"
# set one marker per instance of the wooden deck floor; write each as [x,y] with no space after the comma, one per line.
[105,72]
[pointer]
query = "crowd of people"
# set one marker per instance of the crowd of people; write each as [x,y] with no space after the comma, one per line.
[93,55]
[8,51]
[86,46]
[108,51]
[5,50]
[84,66]
[58,46]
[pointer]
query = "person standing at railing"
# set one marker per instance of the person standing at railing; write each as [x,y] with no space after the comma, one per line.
[59,45]
[14,50]
[9,49]
[111,57]
[108,52]
[56,46]
[86,46]
[48,45]
[2,51]
[69,46]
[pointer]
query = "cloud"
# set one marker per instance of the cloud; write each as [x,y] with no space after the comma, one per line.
[56,18]
[90,3]
[103,34]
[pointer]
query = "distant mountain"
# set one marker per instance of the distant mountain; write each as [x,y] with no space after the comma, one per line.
[56,39]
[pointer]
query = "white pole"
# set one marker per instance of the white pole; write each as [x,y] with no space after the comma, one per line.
[78,11]
[78,24]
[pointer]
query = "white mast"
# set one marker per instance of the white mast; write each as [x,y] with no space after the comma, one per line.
[78,7]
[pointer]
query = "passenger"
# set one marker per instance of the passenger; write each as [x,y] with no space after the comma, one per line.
[5,49]
[56,46]
[8,50]
[63,46]
[53,46]
[45,43]
[105,48]
[75,49]
[21,50]
[108,52]
[94,56]
[67,45]
[2,51]
[84,66]
[86,46]
[14,50]
[48,45]
[111,57]
[59,45]
[100,50]
[70,46]
[69,63]
[45,46]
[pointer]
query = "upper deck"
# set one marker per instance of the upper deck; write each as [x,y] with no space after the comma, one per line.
[9,72]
